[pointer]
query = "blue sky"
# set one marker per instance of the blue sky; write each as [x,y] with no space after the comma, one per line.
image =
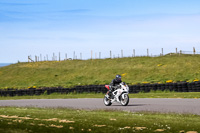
[34,27]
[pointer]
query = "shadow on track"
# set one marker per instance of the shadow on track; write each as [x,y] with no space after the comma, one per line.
[130,105]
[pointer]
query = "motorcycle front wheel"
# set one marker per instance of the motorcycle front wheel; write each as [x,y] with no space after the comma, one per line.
[125,101]
[106,101]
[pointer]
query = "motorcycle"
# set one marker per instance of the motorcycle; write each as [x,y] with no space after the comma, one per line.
[119,95]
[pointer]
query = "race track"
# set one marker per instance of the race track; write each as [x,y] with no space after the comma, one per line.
[164,105]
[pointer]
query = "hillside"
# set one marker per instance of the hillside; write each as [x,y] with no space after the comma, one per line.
[83,72]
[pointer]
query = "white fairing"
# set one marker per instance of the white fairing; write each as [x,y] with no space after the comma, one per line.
[120,95]
[124,89]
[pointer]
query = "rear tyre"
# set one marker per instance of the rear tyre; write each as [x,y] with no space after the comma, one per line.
[124,101]
[106,101]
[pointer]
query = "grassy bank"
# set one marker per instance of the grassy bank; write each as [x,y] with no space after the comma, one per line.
[23,120]
[84,72]
[152,94]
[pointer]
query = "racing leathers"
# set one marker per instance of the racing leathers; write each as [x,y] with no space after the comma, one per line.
[113,86]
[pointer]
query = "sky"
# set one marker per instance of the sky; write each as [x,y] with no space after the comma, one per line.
[34,27]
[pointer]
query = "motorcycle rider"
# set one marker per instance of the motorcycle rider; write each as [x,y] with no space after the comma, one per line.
[114,85]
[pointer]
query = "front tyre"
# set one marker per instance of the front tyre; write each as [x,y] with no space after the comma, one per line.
[124,101]
[106,101]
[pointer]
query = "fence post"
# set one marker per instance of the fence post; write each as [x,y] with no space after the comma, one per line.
[99,55]
[147,52]
[53,57]
[66,56]
[176,51]
[80,56]
[40,57]
[30,59]
[35,58]
[47,57]
[110,54]
[74,55]
[59,56]
[122,53]
[194,51]
[133,52]
[162,52]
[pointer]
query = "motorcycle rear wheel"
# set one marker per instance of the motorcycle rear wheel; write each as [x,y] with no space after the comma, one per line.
[106,101]
[124,101]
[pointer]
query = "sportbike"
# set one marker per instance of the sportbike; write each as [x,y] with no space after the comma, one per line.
[119,95]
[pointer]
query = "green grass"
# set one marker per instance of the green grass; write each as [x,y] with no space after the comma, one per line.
[85,72]
[152,94]
[23,120]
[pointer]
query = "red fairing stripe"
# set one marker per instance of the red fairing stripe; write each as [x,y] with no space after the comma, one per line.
[107,86]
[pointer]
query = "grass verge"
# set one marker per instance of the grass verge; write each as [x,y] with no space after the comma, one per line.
[94,72]
[152,94]
[23,120]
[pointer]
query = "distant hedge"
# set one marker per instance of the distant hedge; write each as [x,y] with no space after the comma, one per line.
[177,87]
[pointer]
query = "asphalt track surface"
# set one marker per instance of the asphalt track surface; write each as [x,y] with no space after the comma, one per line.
[163,105]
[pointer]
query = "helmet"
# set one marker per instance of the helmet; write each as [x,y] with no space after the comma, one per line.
[118,77]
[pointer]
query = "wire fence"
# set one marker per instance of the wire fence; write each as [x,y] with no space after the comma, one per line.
[98,55]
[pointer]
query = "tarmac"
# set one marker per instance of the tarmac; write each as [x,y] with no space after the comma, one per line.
[163,105]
